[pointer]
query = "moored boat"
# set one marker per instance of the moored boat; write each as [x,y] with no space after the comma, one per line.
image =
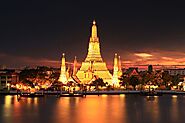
[72,95]
[150,93]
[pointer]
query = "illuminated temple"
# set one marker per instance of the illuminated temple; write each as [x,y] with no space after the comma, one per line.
[115,80]
[63,77]
[93,67]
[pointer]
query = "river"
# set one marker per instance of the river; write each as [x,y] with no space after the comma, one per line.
[93,109]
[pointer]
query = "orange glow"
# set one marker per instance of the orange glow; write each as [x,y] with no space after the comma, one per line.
[158,58]
[143,55]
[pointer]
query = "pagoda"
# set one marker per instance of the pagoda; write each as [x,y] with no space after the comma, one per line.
[94,66]
[63,75]
[115,80]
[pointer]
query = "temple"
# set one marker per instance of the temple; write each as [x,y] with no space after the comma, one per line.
[93,66]
[119,67]
[115,80]
[63,75]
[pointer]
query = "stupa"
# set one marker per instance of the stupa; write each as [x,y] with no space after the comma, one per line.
[63,76]
[115,80]
[94,66]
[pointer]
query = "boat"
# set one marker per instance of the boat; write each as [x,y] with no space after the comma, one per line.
[31,95]
[150,93]
[72,95]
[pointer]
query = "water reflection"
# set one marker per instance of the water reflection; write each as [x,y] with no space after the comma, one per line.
[92,109]
[174,109]
[152,109]
[12,109]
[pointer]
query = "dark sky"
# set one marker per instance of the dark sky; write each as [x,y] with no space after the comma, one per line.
[37,32]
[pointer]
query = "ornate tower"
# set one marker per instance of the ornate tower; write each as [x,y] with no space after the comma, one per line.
[94,46]
[74,66]
[119,67]
[115,79]
[63,77]
[94,61]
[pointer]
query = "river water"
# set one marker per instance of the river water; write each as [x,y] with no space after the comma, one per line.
[93,109]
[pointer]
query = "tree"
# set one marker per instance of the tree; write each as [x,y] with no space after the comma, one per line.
[124,80]
[28,73]
[176,79]
[134,81]
[98,82]
[166,78]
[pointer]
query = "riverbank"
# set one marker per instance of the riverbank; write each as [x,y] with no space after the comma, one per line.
[94,92]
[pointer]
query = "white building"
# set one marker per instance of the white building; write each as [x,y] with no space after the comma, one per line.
[176,71]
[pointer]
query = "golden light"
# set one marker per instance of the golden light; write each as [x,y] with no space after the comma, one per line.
[18,86]
[32,90]
[25,88]
[174,96]
[94,22]
[37,87]
[122,95]
[122,87]
[8,84]
[104,95]
[151,86]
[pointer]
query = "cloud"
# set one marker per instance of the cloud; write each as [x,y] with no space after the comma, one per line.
[155,57]
[167,58]
[143,55]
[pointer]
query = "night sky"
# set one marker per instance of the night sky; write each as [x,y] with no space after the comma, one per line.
[141,32]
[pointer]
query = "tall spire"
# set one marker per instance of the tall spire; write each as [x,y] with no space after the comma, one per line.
[94,46]
[94,30]
[115,80]
[74,66]
[63,77]
[119,67]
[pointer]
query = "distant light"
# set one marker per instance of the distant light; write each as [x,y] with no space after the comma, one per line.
[94,22]
[122,95]
[104,95]
[174,96]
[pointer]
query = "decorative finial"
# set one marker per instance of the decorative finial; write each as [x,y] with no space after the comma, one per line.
[63,54]
[116,54]
[94,22]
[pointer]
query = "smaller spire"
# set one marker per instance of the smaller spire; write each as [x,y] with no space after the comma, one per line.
[63,77]
[115,80]
[75,66]
[119,60]
[119,66]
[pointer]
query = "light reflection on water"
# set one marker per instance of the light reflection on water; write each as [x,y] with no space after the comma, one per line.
[93,109]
